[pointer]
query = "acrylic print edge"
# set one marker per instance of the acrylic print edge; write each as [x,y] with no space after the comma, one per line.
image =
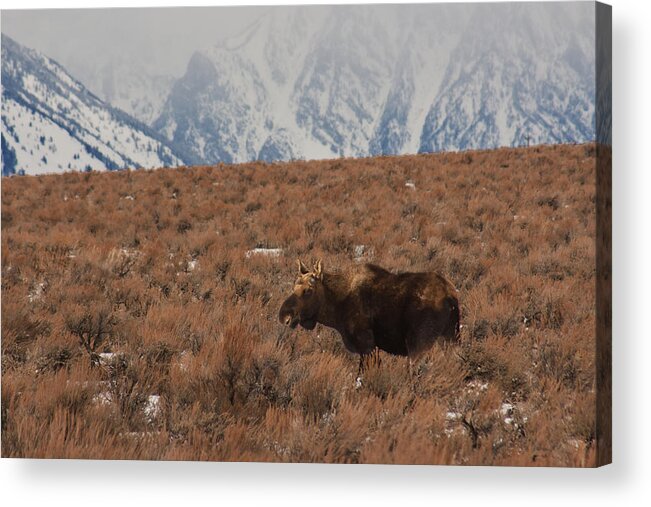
[603,120]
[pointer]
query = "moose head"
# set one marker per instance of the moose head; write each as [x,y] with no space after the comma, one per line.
[302,306]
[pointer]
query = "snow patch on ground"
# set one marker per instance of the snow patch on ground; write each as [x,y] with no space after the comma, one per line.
[184,360]
[140,434]
[269,252]
[103,398]
[476,386]
[506,409]
[37,292]
[152,407]
[107,358]
[362,253]
[453,416]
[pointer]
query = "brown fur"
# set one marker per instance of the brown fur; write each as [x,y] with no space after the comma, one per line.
[402,314]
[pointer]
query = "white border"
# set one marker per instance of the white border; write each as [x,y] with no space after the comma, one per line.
[626,482]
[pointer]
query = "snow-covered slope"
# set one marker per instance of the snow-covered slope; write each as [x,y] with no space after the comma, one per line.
[319,82]
[300,82]
[216,111]
[131,86]
[234,102]
[430,36]
[529,79]
[344,81]
[51,123]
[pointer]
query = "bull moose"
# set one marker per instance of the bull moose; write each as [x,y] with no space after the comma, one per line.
[402,314]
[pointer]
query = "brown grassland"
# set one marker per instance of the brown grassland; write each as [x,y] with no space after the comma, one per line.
[135,325]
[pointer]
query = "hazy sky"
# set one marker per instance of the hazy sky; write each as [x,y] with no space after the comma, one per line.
[165,36]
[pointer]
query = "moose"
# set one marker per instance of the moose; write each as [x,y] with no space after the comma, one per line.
[372,308]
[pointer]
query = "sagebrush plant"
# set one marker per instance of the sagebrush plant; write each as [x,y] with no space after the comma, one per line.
[140,322]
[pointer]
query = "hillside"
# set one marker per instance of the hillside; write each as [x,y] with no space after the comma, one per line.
[139,311]
[51,123]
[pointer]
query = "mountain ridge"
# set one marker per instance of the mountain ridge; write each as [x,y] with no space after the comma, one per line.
[358,87]
[50,121]
[316,82]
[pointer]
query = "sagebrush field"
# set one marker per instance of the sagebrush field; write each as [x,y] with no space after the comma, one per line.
[139,311]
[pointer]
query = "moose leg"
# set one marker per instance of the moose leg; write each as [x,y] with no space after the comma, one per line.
[430,326]
[360,368]
[362,342]
[410,364]
[430,329]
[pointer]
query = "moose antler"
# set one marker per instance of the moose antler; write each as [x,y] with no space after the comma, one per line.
[318,269]
[302,268]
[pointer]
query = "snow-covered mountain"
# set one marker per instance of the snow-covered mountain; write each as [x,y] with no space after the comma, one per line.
[234,102]
[318,82]
[131,86]
[417,75]
[52,123]
[529,79]
[299,82]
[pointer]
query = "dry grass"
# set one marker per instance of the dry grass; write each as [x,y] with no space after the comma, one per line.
[152,266]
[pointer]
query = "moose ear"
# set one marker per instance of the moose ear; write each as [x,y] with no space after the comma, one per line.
[302,268]
[318,269]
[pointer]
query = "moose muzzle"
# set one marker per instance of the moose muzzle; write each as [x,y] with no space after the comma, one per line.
[288,314]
